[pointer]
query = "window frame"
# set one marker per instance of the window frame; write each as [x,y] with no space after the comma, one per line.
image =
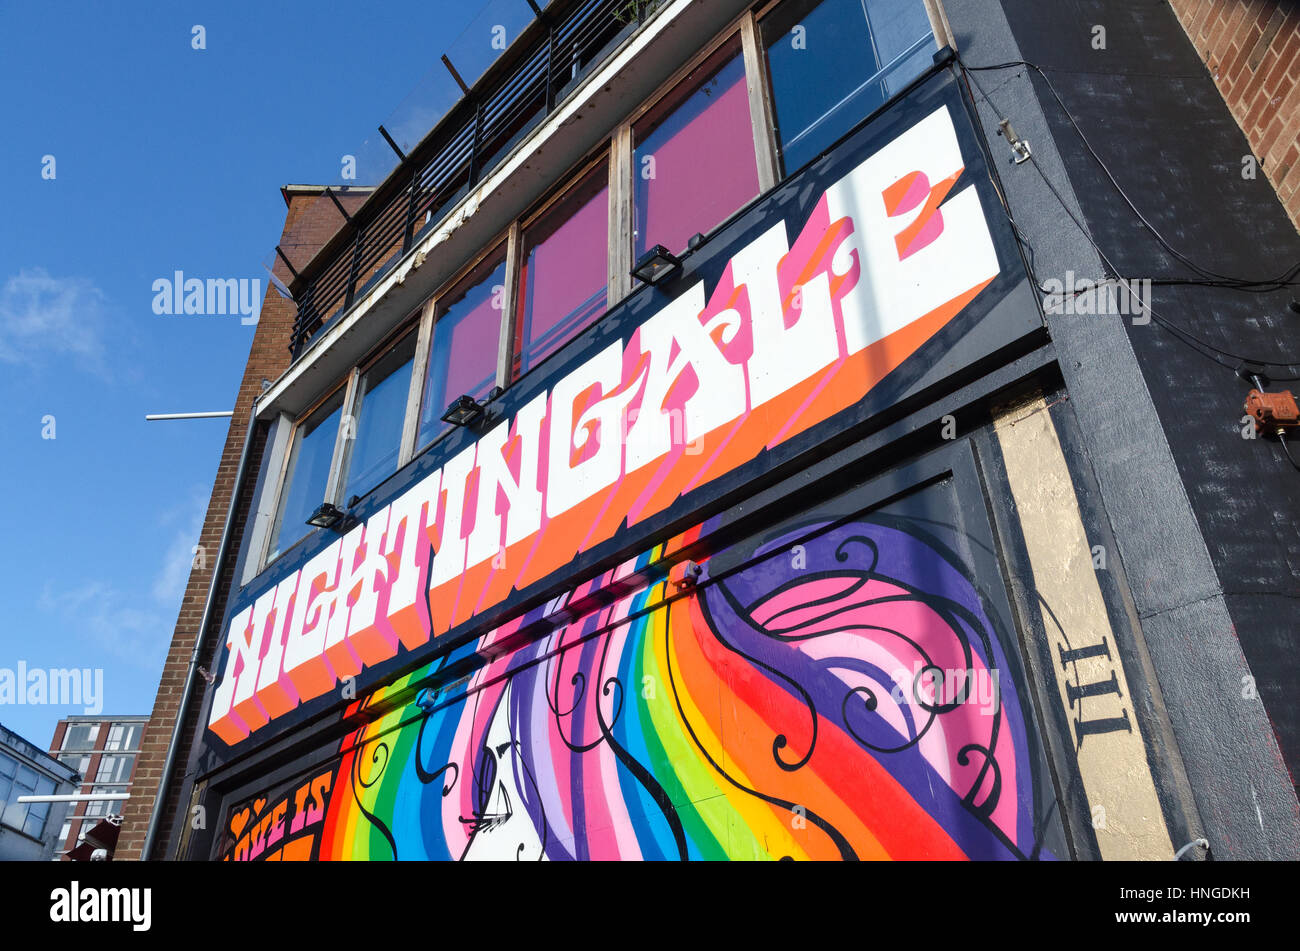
[17,788]
[111,760]
[352,405]
[86,759]
[617,150]
[940,32]
[626,142]
[92,728]
[129,728]
[505,243]
[102,807]
[573,179]
[277,513]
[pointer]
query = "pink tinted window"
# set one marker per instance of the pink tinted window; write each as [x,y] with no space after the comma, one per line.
[694,162]
[463,357]
[564,271]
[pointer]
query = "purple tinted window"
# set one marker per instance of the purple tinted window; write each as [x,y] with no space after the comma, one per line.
[694,162]
[466,330]
[564,271]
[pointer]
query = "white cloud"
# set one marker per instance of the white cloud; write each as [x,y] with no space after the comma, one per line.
[42,317]
[169,584]
[130,624]
[112,620]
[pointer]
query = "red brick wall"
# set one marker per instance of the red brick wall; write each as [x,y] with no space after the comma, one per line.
[1252,48]
[309,223]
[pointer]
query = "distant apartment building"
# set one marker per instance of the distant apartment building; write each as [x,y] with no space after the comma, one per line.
[28,830]
[103,751]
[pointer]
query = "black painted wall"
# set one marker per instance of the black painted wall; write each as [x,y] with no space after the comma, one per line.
[1151,111]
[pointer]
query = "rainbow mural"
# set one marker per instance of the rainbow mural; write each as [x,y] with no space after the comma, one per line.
[838,691]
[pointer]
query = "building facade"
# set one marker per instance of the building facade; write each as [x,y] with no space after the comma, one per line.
[29,831]
[764,431]
[103,751]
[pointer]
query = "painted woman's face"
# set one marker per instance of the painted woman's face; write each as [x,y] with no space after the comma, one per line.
[502,828]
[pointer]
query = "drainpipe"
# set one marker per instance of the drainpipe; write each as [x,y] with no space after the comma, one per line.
[236,491]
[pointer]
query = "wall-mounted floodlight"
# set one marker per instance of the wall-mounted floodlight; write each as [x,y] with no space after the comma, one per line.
[655,265]
[326,516]
[464,411]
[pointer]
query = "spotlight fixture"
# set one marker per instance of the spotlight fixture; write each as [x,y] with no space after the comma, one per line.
[463,411]
[655,265]
[326,516]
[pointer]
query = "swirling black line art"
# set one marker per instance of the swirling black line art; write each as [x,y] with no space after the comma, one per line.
[803,606]
[781,741]
[579,682]
[530,788]
[910,527]
[959,620]
[1043,785]
[951,612]
[544,834]
[357,784]
[837,838]
[842,555]
[424,775]
[483,785]
[991,800]
[642,775]
[920,732]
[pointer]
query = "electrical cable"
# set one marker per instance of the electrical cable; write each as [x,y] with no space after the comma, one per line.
[1180,333]
[1281,438]
[1216,279]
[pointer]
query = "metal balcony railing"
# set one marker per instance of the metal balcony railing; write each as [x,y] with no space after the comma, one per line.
[562,45]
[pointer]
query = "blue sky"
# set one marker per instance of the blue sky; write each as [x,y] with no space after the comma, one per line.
[166,158]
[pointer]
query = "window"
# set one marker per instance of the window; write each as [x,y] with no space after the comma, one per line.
[115,768]
[306,479]
[78,761]
[124,736]
[463,353]
[832,62]
[688,160]
[8,769]
[694,161]
[564,270]
[19,780]
[379,411]
[105,807]
[80,736]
